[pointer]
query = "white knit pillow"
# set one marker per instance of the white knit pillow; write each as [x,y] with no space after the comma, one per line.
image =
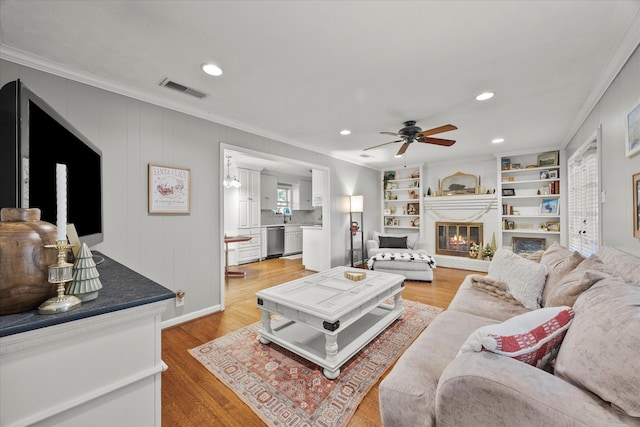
[525,279]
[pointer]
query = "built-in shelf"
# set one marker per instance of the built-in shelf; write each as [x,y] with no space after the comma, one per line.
[521,196]
[402,194]
[533,196]
[527,231]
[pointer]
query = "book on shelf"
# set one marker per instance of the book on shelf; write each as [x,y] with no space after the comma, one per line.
[507,209]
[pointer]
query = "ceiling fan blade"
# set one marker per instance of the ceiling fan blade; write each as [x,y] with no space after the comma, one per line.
[403,149]
[390,133]
[437,141]
[439,129]
[380,145]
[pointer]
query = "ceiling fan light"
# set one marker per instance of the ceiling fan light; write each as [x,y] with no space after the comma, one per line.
[212,69]
[484,96]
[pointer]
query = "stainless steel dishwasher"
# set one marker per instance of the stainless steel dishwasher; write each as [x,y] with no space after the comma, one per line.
[275,241]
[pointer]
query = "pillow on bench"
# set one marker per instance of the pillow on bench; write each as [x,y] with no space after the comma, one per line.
[412,238]
[393,242]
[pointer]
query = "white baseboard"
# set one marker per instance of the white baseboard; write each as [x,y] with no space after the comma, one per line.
[190,316]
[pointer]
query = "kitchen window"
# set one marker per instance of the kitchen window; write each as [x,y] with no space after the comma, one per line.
[284,197]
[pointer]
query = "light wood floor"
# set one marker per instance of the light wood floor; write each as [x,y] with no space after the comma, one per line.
[191,396]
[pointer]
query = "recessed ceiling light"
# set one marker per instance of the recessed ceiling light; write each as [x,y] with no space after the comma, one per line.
[498,140]
[484,96]
[345,132]
[212,69]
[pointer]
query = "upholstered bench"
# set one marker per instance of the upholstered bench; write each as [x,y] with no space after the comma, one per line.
[415,265]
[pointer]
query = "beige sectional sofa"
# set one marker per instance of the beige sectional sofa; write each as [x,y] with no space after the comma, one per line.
[593,381]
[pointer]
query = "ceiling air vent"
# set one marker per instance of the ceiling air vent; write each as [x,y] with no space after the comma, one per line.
[182,88]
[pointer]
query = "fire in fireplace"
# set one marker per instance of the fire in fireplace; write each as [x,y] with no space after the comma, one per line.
[455,238]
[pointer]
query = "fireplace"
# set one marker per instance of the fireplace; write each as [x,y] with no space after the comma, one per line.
[455,238]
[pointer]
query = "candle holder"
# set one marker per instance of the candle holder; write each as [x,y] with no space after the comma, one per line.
[60,273]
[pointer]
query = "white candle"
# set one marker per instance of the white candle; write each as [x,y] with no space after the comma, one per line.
[61,201]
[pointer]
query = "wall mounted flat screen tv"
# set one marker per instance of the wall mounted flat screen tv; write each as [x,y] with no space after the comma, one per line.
[33,138]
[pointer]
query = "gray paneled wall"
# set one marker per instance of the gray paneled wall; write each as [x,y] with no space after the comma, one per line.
[177,251]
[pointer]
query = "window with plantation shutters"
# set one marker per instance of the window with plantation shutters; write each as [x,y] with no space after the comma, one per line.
[584,198]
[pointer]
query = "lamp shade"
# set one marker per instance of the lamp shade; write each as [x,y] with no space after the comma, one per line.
[357,203]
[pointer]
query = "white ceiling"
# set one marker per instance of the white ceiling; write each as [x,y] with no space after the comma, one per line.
[299,72]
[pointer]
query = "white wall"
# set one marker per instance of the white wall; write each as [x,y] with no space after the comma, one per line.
[611,112]
[178,251]
[484,168]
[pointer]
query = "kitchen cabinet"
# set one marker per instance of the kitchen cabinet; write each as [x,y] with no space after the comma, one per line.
[249,198]
[292,240]
[317,187]
[263,243]
[313,249]
[268,192]
[251,250]
[302,196]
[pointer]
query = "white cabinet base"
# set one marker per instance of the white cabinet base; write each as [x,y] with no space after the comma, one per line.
[99,371]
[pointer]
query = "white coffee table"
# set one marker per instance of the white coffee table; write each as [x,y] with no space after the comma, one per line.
[328,318]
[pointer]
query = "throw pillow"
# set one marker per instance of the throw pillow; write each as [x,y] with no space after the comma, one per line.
[560,261]
[524,278]
[533,338]
[412,238]
[393,242]
[569,287]
[624,264]
[600,351]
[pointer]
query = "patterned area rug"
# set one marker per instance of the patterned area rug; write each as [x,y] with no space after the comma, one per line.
[284,389]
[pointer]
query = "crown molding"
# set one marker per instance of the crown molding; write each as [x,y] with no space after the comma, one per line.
[61,70]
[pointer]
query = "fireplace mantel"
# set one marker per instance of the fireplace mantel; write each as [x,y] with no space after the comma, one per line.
[464,208]
[476,201]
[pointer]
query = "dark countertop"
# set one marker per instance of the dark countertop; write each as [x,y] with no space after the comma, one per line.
[122,288]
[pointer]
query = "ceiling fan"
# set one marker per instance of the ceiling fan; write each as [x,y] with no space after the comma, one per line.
[412,133]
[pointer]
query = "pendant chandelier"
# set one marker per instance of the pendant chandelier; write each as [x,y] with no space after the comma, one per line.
[228,182]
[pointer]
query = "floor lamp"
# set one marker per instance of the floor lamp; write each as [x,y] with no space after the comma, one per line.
[356,207]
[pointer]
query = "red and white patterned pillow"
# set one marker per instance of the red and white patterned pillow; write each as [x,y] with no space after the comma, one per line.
[533,338]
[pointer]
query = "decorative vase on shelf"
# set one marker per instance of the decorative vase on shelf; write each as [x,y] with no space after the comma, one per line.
[24,260]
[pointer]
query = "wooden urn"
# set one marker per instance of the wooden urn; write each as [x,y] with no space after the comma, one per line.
[24,261]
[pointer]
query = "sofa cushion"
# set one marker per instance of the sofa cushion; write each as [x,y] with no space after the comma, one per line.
[560,261]
[569,287]
[532,338]
[600,351]
[393,242]
[525,279]
[475,301]
[624,265]
[407,394]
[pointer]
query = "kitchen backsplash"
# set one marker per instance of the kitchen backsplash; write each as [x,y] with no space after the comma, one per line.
[313,217]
